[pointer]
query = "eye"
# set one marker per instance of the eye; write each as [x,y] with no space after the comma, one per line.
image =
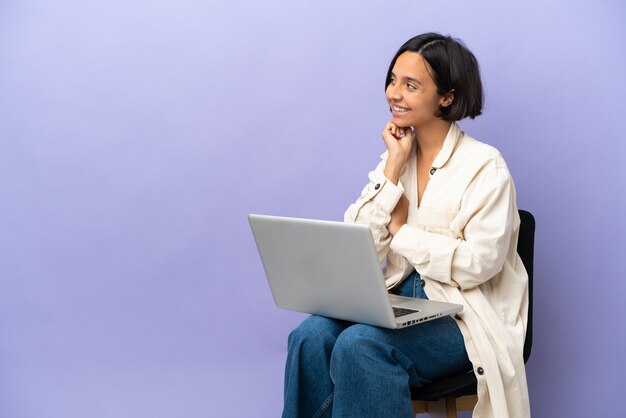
[392,80]
[411,86]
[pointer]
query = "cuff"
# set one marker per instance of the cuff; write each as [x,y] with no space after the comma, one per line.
[388,193]
[433,260]
[403,242]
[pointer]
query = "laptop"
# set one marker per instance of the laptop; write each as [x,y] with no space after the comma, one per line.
[331,269]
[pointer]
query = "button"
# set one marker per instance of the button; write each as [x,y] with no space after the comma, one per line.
[457,317]
[422,283]
[480,371]
[432,171]
[377,186]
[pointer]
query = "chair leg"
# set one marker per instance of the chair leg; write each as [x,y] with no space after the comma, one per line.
[450,407]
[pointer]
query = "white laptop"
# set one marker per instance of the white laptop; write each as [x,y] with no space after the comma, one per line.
[331,269]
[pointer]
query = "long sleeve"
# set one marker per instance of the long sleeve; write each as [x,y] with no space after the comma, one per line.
[374,207]
[483,228]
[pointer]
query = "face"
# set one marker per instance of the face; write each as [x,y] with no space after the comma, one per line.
[412,93]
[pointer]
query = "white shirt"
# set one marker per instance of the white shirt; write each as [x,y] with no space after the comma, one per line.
[462,240]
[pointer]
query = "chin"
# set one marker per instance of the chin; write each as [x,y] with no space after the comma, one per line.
[400,123]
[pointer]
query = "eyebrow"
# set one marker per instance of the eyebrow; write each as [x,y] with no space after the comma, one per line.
[408,79]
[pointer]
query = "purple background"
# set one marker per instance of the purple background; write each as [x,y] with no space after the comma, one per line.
[135,137]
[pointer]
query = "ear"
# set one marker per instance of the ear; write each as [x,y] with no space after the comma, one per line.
[447,99]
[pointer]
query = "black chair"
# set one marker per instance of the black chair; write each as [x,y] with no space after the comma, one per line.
[444,397]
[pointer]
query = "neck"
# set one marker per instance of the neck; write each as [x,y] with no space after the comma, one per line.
[430,137]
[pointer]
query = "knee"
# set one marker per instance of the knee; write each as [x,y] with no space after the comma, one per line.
[357,344]
[315,334]
[364,348]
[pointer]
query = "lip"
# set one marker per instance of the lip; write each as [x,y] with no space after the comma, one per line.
[398,113]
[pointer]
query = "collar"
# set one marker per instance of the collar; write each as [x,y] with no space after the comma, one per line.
[449,144]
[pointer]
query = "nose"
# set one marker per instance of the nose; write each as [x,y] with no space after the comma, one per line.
[393,93]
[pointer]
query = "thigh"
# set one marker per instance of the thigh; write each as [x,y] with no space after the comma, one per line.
[435,348]
[429,351]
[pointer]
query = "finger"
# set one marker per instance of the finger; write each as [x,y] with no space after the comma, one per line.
[389,139]
[410,134]
[387,130]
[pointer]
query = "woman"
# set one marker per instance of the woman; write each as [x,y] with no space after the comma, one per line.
[442,211]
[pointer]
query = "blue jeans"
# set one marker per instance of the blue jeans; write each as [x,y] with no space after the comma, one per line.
[341,369]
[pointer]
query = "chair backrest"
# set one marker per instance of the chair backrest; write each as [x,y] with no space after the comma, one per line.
[526,251]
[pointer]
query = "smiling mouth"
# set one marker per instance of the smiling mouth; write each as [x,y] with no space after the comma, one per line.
[399,109]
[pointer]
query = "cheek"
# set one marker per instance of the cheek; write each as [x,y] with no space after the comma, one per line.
[425,105]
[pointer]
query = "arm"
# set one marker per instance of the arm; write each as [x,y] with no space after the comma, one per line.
[484,224]
[373,208]
[381,195]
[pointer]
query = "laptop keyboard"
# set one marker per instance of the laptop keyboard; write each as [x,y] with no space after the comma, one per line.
[402,311]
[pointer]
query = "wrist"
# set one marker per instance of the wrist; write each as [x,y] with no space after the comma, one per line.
[392,171]
[393,228]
